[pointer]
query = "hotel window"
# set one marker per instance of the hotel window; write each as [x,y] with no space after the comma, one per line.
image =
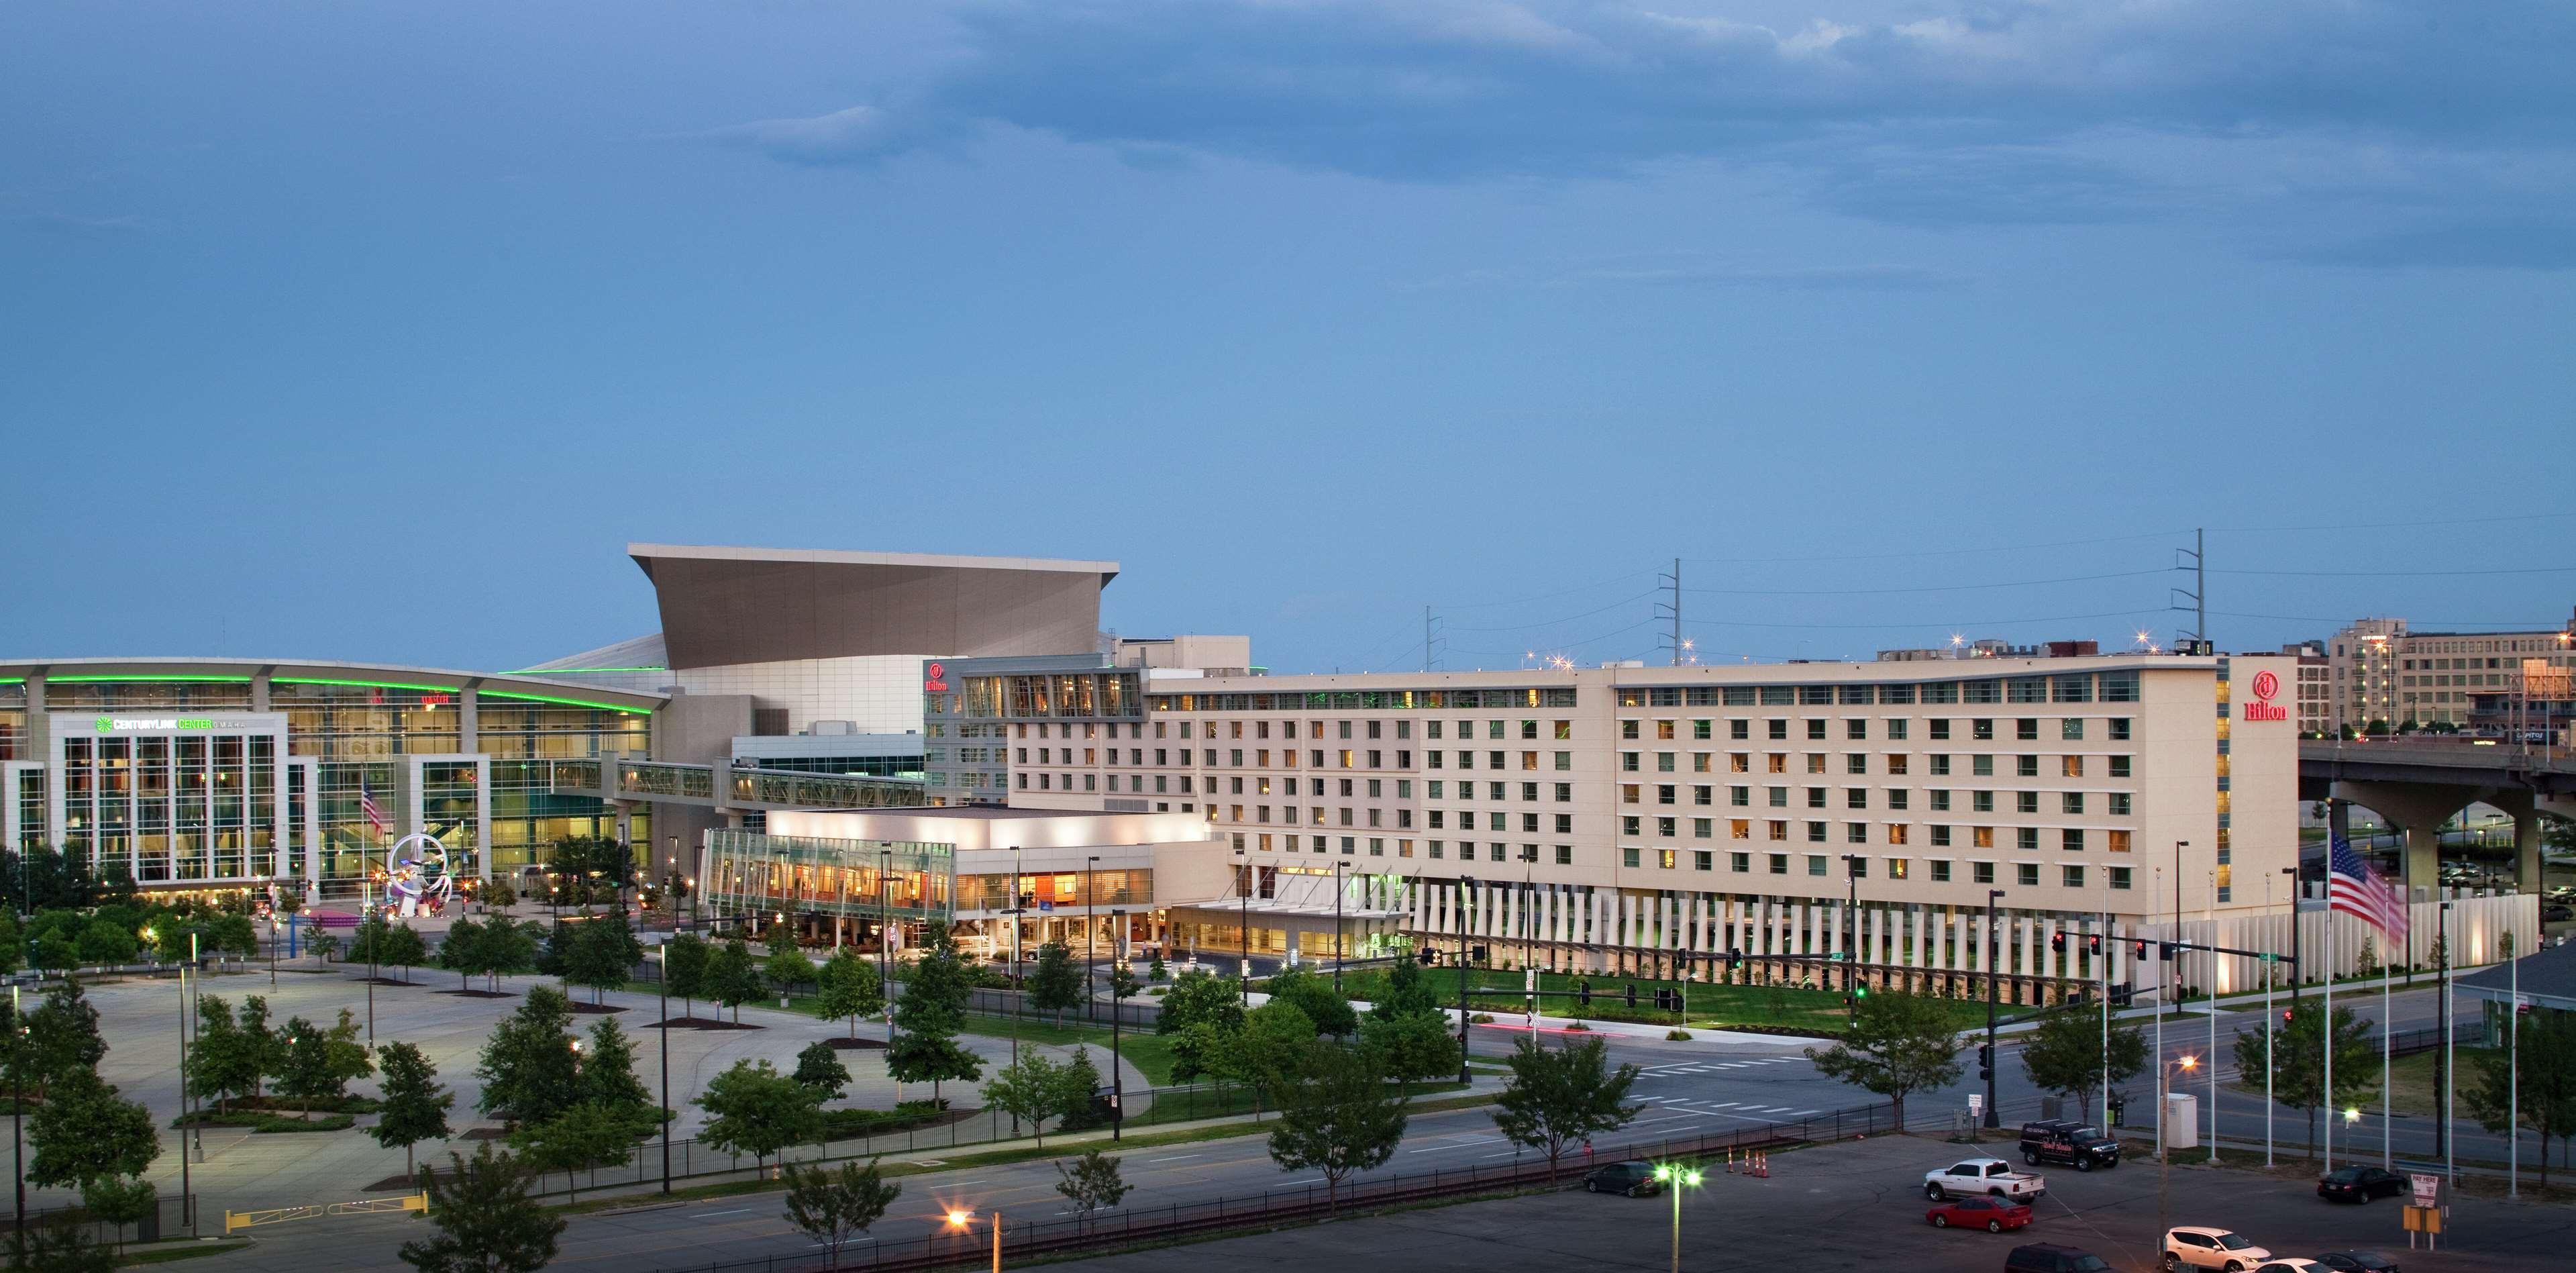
[1897,832]
[1700,729]
[1664,793]
[2071,876]
[1663,827]
[2026,839]
[1663,730]
[1632,825]
[1740,797]
[1565,731]
[1896,731]
[1699,762]
[1940,836]
[2026,730]
[1740,863]
[2071,729]
[1856,798]
[2026,802]
[1529,761]
[1856,730]
[1982,766]
[1981,872]
[1564,793]
[1815,762]
[1564,760]
[1776,797]
[1856,832]
[1779,863]
[1565,824]
[1815,797]
[1631,793]
[1896,767]
[1565,855]
[1982,801]
[2119,729]
[1896,798]
[1628,856]
[1940,870]
[2118,841]
[1665,858]
[1739,828]
[1940,766]
[1815,864]
[2026,874]
[1775,762]
[1982,730]
[1816,832]
[2119,766]
[2119,879]
[2071,839]
[1703,828]
[1896,868]
[2070,766]
[1981,837]
[1739,729]
[1739,763]
[2071,802]
[1629,761]
[1940,799]
[1815,731]
[1437,848]
[1627,729]
[1778,829]
[1856,763]
[2026,767]
[1775,729]
[1940,729]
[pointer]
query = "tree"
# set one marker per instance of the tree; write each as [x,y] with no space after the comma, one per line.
[499,895]
[819,1066]
[788,967]
[487,1222]
[1077,1080]
[1200,1051]
[929,1016]
[1158,972]
[1028,1089]
[104,941]
[404,949]
[1315,996]
[2065,1055]
[266,1046]
[608,1078]
[580,1137]
[849,988]
[62,1039]
[1266,1052]
[232,934]
[1338,1117]
[510,948]
[1090,1183]
[733,978]
[1199,996]
[415,1103]
[834,1205]
[460,952]
[86,1133]
[222,1062]
[684,967]
[369,940]
[1409,993]
[600,954]
[120,1202]
[2545,1054]
[1412,1048]
[1055,984]
[324,944]
[321,1063]
[753,1109]
[1561,1095]
[2297,1060]
[529,1070]
[1897,1043]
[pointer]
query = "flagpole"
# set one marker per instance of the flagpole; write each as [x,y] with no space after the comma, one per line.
[2387,1028]
[2326,1098]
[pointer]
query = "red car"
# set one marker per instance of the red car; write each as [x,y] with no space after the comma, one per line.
[1994,1215]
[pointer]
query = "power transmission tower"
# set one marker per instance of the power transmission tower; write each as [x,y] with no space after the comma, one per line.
[1430,640]
[1675,644]
[2199,591]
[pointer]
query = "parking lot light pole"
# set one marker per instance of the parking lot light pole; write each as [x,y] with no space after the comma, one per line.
[1674,1177]
[1986,961]
[1117,1009]
[663,982]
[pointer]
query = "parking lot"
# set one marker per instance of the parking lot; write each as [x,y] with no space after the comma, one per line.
[1860,1206]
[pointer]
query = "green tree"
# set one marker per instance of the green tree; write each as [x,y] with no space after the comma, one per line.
[1200,1051]
[324,944]
[1028,1089]
[1076,1082]
[833,1205]
[63,1244]
[1409,993]
[2065,1055]
[1413,1048]
[1090,1182]
[601,953]
[460,952]
[1897,1043]
[753,1109]
[1315,996]
[529,1070]
[267,1048]
[929,1016]
[511,948]
[608,1078]
[581,1137]
[487,1221]
[415,1102]
[733,977]
[320,1062]
[849,988]
[62,1039]
[1339,1116]
[1267,1051]
[1158,972]
[2296,1059]
[2544,1051]
[105,941]
[86,1133]
[120,1202]
[222,1062]
[1055,984]
[789,967]
[819,1066]
[498,894]
[1200,996]
[685,960]
[1558,1096]
[405,949]
[13,942]
[233,934]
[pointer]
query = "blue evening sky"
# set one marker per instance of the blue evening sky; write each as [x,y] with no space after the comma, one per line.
[375,331]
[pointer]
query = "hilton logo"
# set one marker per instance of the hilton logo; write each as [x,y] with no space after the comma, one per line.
[937,680]
[2263,708]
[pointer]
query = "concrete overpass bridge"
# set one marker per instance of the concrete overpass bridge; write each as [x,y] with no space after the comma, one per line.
[2417,784]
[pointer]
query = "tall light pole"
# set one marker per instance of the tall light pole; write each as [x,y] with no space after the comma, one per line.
[18,1114]
[1117,1010]
[1675,1178]
[1090,932]
[663,983]
[2213,1019]
[1243,921]
[885,929]
[1338,952]
[2450,1169]
[1851,947]
[1986,961]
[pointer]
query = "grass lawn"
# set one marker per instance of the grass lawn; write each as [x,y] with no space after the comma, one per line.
[2413,1089]
[1711,1007]
[1149,1052]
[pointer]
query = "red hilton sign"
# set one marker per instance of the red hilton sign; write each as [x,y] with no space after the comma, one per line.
[937,680]
[2263,708]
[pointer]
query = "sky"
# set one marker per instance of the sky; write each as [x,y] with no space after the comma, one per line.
[375,332]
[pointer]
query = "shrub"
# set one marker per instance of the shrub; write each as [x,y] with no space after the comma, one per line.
[1677,1035]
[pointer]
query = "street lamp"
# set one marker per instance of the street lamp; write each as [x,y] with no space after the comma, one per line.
[1987,961]
[662,956]
[1243,918]
[1118,981]
[964,1222]
[1676,1177]
[1091,932]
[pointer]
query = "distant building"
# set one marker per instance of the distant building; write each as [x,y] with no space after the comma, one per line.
[2381,671]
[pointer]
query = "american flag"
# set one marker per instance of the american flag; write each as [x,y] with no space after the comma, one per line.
[2352,887]
[368,806]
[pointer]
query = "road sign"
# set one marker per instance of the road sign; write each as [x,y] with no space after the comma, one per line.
[2428,1188]
[2270,958]
[1835,957]
[1976,1104]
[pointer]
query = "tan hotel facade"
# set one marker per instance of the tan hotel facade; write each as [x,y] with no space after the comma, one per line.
[1606,818]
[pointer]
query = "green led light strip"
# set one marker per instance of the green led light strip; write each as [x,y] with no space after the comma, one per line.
[373,685]
[541,671]
[570,702]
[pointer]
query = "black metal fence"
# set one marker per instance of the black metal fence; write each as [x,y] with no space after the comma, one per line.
[691,1157]
[170,1218]
[1132,1015]
[1113,1229]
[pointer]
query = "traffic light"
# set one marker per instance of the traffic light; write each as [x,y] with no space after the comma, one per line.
[1583,993]
[1734,959]
[1477,954]
[2142,948]
[2057,943]
[1632,994]
[1985,1061]
[2285,1018]
[1860,992]
[2093,944]
[1424,955]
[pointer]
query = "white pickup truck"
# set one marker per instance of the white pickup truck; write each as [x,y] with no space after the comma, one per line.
[1992,1177]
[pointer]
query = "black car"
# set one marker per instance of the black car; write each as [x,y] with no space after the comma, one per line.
[2043,1257]
[1634,1179]
[2361,1184]
[2357,1262]
[2059,1140]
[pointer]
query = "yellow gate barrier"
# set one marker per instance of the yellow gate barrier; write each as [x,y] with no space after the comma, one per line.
[238,1220]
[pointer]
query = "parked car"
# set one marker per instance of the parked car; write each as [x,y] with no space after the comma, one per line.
[2192,1247]
[2059,1140]
[2361,1184]
[2556,912]
[2290,1264]
[2357,1262]
[1633,1179]
[2043,1257]
[1992,1177]
[1994,1215]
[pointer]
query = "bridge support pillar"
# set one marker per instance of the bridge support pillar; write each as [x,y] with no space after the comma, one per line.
[2417,812]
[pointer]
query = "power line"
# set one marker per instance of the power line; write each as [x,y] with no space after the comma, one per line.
[1953,587]
[1545,596]
[1945,552]
[1952,626]
[1524,627]
[2403,574]
[2441,521]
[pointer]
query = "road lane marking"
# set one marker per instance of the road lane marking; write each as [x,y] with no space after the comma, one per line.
[1175,1158]
[709,1214]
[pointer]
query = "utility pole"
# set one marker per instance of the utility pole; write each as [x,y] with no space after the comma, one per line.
[1987,962]
[1673,609]
[1429,651]
[2199,592]
[1460,909]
